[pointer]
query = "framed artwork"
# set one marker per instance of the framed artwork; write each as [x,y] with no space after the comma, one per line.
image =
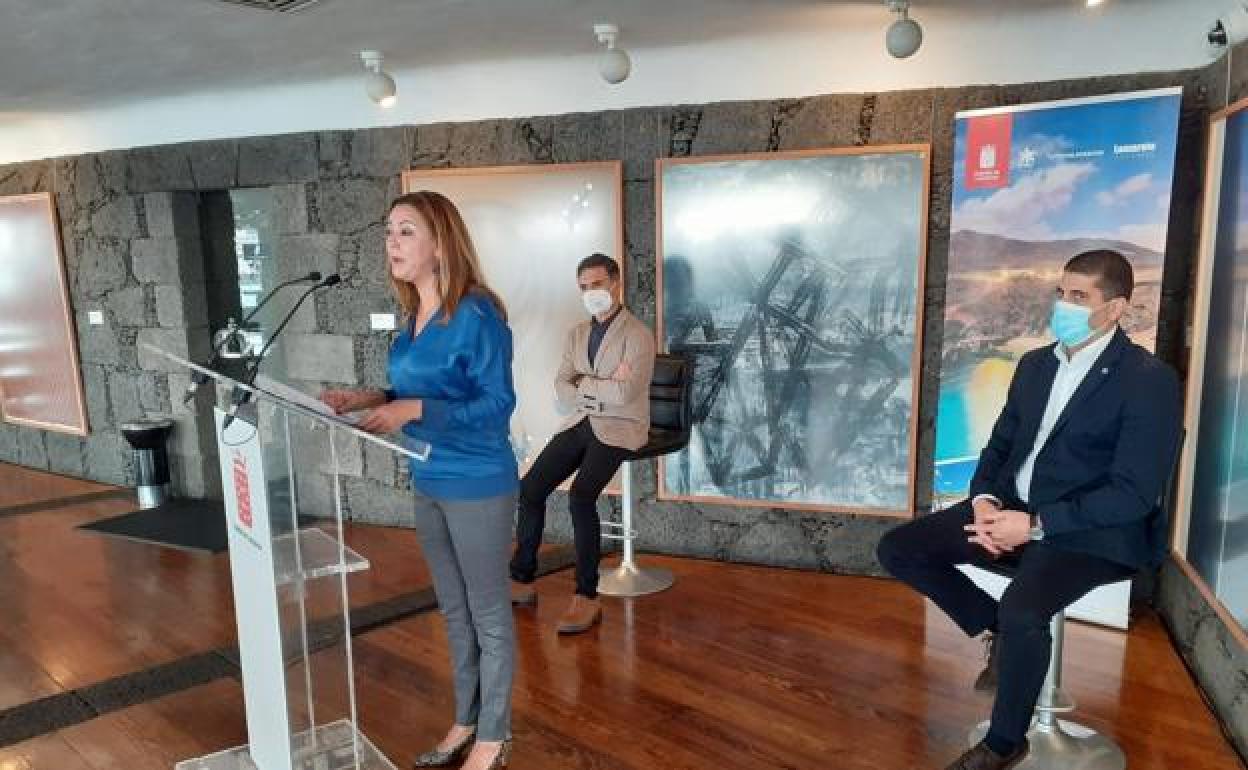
[794,282]
[40,376]
[1211,510]
[531,226]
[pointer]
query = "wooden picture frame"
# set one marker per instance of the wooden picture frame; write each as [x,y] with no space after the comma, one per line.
[922,152]
[40,373]
[542,298]
[1195,395]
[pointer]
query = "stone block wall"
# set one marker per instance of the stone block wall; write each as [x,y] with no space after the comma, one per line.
[134,257]
[1208,640]
[129,224]
[331,189]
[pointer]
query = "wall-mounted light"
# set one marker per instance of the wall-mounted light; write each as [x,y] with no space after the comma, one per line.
[904,36]
[378,85]
[614,64]
[1230,28]
[232,341]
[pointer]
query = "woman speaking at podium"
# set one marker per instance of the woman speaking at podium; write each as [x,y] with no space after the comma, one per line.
[451,386]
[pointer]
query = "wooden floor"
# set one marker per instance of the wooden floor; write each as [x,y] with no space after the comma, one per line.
[735,667]
[78,608]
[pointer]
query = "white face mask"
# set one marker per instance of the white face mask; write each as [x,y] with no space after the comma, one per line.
[597,301]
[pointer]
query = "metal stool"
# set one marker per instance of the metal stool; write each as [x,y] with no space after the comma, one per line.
[628,579]
[148,438]
[1057,744]
[669,431]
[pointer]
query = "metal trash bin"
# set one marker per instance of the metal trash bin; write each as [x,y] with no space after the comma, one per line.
[148,437]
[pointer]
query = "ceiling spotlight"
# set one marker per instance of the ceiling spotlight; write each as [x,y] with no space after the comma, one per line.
[378,85]
[1094,3]
[614,64]
[904,35]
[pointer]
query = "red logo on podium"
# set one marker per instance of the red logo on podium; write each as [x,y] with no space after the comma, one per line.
[242,490]
[988,151]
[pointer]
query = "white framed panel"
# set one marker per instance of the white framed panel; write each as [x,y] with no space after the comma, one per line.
[531,226]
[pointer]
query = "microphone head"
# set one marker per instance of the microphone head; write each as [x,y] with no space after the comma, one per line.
[315,275]
[332,280]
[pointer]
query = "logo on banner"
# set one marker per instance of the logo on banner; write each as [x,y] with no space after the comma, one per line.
[242,490]
[988,151]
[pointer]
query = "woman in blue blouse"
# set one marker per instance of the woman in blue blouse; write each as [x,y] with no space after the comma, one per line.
[451,386]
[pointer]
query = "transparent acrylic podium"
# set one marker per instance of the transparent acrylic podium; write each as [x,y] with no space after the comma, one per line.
[280,462]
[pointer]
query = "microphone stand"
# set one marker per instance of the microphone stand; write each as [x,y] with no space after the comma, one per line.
[199,378]
[241,397]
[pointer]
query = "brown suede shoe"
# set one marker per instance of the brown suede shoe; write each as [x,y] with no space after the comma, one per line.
[581,615]
[986,682]
[523,594]
[983,758]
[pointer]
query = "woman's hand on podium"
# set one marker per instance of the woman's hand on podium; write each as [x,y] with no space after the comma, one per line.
[343,400]
[391,417]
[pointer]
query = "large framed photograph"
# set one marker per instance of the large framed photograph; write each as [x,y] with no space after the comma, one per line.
[40,376]
[1211,506]
[531,226]
[794,282]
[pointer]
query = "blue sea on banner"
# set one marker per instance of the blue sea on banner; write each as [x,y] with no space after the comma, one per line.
[954,471]
[1085,174]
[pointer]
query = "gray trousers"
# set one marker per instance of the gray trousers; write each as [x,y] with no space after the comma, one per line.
[466,543]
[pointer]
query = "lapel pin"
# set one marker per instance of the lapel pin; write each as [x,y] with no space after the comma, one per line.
[1104,370]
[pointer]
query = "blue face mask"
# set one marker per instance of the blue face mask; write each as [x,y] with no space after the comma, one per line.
[1069,323]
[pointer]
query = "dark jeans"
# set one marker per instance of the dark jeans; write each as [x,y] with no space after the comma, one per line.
[924,553]
[575,450]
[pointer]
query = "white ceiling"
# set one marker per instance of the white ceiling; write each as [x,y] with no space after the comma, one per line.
[58,55]
[90,75]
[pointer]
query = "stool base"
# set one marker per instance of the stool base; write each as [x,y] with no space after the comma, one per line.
[630,580]
[1064,745]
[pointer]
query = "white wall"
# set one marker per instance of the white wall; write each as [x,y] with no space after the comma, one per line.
[970,44]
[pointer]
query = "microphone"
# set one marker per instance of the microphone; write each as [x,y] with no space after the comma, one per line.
[199,378]
[240,396]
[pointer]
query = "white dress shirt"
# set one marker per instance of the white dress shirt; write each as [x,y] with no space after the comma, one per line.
[1071,371]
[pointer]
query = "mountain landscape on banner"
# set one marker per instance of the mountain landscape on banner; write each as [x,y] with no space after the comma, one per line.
[998,302]
[982,251]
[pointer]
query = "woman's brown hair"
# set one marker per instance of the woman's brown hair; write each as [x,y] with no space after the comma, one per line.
[459,268]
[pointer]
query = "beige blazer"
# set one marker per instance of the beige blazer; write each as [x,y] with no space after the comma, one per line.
[618,410]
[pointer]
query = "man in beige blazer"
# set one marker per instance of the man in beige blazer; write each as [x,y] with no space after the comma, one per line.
[604,385]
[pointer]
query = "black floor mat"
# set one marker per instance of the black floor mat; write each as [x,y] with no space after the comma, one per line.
[188,525]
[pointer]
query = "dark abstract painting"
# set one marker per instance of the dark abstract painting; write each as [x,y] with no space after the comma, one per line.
[793,281]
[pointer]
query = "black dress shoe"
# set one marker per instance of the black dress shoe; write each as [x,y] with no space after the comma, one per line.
[983,758]
[446,758]
[986,682]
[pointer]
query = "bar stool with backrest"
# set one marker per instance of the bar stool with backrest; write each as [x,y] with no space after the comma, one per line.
[670,418]
[1059,744]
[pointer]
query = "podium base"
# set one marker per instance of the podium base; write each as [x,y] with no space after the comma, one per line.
[328,747]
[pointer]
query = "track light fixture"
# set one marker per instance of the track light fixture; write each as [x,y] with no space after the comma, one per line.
[614,64]
[378,84]
[904,36]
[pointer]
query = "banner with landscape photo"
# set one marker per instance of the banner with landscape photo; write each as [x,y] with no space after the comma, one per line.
[1035,185]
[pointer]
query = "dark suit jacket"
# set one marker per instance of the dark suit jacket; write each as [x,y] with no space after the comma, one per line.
[1098,479]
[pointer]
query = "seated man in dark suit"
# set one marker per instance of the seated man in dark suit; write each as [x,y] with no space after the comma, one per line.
[1066,490]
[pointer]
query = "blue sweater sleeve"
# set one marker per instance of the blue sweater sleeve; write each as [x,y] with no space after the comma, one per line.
[488,369]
